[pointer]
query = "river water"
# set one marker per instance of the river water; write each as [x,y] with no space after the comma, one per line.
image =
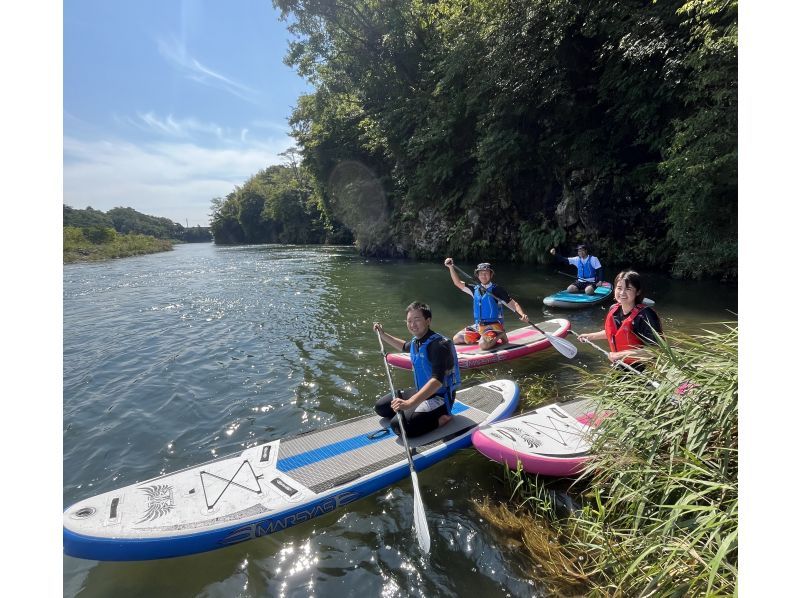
[175,358]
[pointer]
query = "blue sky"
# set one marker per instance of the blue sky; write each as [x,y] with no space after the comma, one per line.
[168,104]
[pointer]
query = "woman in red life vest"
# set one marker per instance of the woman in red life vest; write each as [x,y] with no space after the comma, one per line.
[630,325]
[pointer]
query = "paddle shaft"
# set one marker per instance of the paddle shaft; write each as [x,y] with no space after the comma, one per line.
[395,394]
[420,520]
[572,276]
[564,347]
[631,368]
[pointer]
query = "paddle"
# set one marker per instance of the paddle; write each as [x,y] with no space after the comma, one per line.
[420,522]
[596,285]
[572,276]
[566,348]
[622,363]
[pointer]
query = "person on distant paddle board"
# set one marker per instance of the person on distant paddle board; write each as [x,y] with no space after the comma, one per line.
[488,329]
[436,376]
[630,324]
[590,272]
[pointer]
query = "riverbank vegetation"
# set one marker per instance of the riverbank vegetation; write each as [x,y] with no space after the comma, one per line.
[128,220]
[97,243]
[495,130]
[656,512]
[276,205]
[92,235]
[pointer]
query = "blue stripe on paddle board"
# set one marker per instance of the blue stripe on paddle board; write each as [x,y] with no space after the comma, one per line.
[459,408]
[337,448]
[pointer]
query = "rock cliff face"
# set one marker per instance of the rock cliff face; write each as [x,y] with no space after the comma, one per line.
[573,210]
[581,207]
[431,234]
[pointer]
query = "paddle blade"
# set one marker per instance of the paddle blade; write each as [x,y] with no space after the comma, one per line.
[566,348]
[420,521]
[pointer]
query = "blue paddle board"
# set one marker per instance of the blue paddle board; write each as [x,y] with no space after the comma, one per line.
[270,486]
[567,300]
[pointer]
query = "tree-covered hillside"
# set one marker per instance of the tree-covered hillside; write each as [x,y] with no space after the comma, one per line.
[489,130]
[276,205]
[128,220]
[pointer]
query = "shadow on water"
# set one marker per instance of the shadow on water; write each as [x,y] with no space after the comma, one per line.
[171,360]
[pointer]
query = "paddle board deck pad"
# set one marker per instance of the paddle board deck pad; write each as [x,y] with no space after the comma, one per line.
[553,440]
[521,342]
[268,487]
[566,300]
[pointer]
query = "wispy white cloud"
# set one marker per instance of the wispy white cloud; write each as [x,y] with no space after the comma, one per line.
[176,54]
[176,180]
[171,127]
[191,128]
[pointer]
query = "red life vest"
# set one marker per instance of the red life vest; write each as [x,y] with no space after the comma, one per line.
[623,338]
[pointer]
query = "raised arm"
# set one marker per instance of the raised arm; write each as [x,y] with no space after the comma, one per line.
[457,282]
[559,258]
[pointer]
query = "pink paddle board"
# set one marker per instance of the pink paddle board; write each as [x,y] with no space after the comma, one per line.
[521,342]
[552,440]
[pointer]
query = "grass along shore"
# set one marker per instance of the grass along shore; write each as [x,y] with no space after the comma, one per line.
[102,243]
[656,512]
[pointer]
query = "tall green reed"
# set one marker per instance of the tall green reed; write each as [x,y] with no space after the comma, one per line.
[659,514]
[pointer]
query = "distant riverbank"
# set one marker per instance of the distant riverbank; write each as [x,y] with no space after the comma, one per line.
[85,245]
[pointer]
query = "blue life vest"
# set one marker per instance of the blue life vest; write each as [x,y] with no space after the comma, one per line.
[423,370]
[485,308]
[586,270]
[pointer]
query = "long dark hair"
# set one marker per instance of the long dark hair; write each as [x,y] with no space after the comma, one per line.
[631,278]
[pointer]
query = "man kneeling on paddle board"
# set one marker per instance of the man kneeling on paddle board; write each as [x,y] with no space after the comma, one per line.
[488,329]
[590,271]
[436,376]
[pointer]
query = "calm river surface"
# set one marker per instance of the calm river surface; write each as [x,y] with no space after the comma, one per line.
[175,358]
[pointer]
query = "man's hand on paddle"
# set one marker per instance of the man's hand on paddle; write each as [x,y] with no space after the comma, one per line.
[401,404]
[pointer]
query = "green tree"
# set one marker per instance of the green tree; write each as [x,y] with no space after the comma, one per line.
[276,205]
[197,234]
[99,234]
[85,218]
[699,190]
[224,220]
[128,220]
[487,129]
